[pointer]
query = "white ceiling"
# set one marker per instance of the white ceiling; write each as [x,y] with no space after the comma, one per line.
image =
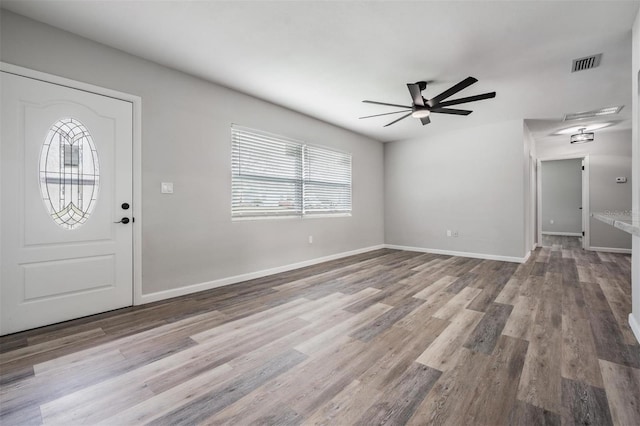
[323,58]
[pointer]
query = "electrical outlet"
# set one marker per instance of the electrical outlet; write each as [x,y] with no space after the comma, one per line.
[455,234]
[310,239]
[448,232]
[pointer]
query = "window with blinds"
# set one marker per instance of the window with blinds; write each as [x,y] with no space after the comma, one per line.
[327,181]
[276,176]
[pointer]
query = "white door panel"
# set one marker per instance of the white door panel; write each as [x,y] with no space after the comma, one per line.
[51,273]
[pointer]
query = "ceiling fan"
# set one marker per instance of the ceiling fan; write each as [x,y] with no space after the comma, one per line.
[421,108]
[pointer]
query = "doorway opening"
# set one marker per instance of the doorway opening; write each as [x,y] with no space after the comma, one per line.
[563,202]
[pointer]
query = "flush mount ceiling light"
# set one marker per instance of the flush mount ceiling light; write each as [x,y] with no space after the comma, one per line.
[586,127]
[595,113]
[582,137]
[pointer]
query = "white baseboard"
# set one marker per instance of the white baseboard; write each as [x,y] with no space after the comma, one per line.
[194,288]
[564,234]
[635,327]
[462,253]
[611,250]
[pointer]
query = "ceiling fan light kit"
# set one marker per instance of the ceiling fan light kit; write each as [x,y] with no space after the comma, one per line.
[420,113]
[422,108]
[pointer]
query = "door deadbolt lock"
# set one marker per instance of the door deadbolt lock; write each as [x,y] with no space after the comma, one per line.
[125,206]
[124,220]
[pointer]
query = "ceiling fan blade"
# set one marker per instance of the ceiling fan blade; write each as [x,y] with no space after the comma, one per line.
[467,99]
[386,113]
[452,91]
[425,120]
[416,95]
[451,111]
[395,121]
[383,103]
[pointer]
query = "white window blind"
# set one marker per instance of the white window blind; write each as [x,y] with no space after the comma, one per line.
[327,181]
[276,176]
[266,174]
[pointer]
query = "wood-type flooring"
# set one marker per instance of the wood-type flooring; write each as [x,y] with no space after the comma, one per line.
[385,337]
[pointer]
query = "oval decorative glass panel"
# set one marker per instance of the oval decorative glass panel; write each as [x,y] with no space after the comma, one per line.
[69,173]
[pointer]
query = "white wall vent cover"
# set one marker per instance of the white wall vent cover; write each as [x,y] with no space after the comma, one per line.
[586,63]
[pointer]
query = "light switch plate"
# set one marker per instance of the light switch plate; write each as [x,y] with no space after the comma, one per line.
[166,187]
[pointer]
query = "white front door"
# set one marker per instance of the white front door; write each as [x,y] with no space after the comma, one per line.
[66,179]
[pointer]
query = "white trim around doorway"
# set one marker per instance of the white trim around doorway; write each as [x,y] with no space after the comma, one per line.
[136,101]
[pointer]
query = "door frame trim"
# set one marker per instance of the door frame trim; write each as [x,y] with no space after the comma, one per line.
[136,102]
[586,214]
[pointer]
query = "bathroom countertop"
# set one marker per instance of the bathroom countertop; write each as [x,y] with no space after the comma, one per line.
[625,223]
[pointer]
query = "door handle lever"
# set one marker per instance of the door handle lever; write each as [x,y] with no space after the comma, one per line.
[124,220]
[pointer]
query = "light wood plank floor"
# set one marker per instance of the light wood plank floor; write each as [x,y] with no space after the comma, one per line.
[566,242]
[386,337]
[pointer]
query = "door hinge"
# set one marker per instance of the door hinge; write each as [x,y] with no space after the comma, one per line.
[583,233]
[582,167]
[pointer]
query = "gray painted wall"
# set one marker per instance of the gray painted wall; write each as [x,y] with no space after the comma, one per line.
[188,237]
[635,259]
[471,180]
[561,196]
[609,157]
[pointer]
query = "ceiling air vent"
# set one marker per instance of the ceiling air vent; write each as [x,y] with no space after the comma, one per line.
[587,63]
[593,114]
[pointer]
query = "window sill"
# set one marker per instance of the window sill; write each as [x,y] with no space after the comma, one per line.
[304,217]
[325,215]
